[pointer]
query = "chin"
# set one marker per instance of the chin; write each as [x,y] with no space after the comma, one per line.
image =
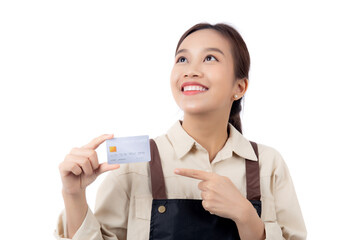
[195,110]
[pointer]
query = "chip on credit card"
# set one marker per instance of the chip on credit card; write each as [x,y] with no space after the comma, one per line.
[128,149]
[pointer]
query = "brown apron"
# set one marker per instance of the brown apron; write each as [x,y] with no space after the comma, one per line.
[186,219]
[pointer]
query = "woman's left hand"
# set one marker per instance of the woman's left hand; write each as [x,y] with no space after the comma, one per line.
[220,196]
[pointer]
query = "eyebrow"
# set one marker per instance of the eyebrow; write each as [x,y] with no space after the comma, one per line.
[205,50]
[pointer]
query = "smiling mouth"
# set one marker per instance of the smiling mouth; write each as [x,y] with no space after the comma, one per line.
[193,88]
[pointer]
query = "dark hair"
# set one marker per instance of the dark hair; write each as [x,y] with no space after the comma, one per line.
[240,55]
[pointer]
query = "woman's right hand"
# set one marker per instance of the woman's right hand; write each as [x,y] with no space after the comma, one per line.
[81,166]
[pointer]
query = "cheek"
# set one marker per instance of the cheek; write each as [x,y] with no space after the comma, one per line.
[221,77]
[173,83]
[217,72]
[174,77]
[222,82]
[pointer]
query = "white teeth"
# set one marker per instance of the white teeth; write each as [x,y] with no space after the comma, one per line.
[194,88]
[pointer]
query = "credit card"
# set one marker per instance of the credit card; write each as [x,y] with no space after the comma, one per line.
[128,149]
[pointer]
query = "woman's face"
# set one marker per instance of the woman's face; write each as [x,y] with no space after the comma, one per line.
[203,79]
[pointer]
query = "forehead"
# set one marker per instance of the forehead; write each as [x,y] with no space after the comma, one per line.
[206,38]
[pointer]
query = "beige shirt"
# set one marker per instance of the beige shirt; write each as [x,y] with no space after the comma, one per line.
[124,200]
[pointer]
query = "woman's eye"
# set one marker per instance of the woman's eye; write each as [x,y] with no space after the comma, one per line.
[181,60]
[210,58]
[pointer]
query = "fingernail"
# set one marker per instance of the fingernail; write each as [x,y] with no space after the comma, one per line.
[176,171]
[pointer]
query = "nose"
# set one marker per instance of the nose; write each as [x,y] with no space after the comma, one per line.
[191,74]
[193,71]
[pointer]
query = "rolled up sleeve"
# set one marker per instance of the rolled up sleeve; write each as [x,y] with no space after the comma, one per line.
[273,231]
[90,229]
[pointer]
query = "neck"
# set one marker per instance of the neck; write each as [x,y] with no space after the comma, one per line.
[209,131]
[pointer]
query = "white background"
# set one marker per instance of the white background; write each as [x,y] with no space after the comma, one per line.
[72,70]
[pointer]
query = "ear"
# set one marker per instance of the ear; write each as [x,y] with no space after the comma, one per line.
[240,87]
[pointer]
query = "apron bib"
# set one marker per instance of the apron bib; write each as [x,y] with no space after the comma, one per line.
[186,219]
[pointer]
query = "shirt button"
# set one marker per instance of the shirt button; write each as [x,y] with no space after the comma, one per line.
[161,209]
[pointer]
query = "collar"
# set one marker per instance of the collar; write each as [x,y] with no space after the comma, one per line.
[182,143]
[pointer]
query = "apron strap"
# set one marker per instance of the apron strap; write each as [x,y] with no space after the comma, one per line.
[158,182]
[253,176]
[157,175]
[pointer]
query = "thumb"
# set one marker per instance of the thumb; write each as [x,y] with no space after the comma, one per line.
[104,167]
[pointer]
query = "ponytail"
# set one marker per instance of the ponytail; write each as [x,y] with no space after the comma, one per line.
[234,118]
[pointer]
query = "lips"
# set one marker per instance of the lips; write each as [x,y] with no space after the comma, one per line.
[193,86]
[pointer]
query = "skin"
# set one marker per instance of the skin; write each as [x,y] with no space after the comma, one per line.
[204,57]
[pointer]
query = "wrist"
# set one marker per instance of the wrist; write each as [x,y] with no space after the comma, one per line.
[76,209]
[74,197]
[248,222]
[243,213]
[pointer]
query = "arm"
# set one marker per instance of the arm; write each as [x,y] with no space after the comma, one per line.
[79,169]
[75,209]
[288,212]
[109,220]
[281,212]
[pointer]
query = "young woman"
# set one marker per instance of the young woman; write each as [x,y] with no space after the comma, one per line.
[205,180]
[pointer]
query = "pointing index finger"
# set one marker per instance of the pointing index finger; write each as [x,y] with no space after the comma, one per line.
[193,173]
[95,143]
